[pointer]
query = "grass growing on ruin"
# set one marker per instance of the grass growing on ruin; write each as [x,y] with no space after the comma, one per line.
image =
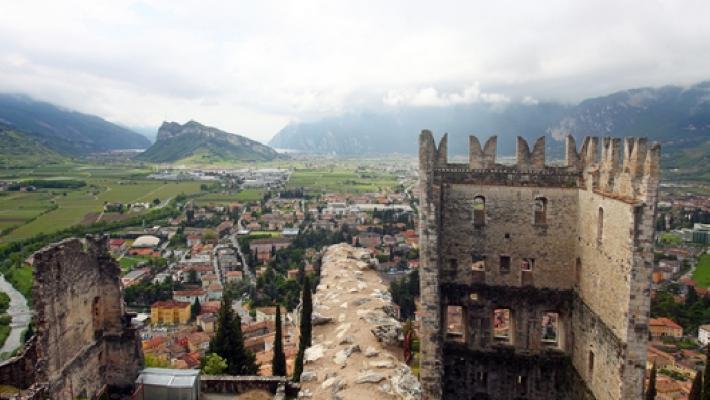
[701,275]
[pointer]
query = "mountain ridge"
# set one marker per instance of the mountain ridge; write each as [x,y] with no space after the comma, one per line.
[200,143]
[678,117]
[66,131]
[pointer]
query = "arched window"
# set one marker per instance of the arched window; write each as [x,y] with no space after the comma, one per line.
[540,211]
[600,226]
[479,210]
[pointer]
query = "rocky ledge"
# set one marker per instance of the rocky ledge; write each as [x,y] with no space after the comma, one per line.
[356,352]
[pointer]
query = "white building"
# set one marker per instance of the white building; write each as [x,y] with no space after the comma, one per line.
[704,334]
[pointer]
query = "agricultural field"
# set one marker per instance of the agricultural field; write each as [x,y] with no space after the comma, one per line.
[26,214]
[341,180]
[214,199]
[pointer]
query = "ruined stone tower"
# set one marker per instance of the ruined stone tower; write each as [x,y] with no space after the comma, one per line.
[84,345]
[535,279]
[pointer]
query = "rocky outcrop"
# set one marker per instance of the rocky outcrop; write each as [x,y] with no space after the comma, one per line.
[356,352]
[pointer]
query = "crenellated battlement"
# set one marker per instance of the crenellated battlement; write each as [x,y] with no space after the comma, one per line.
[601,164]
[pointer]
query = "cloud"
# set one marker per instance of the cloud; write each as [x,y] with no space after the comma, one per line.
[253,66]
[430,97]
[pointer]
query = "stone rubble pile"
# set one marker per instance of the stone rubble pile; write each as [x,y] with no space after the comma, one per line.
[356,351]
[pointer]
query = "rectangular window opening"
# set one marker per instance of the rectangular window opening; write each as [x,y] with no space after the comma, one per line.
[527,264]
[504,264]
[478,262]
[501,324]
[550,328]
[455,324]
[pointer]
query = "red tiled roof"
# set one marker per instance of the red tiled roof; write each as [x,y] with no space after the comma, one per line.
[664,322]
[170,304]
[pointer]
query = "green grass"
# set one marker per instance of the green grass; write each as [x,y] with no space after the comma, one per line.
[242,196]
[671,239]
[701,275]
[4,333]
[341,180]
[19,208]
[127,263]
[21,279]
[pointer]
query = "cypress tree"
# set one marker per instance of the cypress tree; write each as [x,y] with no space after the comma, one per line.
[196,308]
[278,364]
[307,313]
[651,389]
[305,327]
[228,342]
[706,376]
[697,388]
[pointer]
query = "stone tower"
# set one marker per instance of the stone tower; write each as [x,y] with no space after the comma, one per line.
[535,279]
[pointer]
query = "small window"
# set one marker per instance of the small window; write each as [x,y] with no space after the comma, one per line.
[600,226]
[504,264]
[527,264]
[479,211]
[590,363]
[478,262]
[501,324]
[454,324]
[578,270]
[540,211]
[550,327]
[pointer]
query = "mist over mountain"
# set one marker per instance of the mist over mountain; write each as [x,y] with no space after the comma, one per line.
[194,142]
[677,117]
[65,131]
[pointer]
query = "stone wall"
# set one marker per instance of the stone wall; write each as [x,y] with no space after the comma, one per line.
[485,244]
[242,384]
[83,341]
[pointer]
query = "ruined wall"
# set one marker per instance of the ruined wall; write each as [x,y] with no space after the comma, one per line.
[84,341]
[597,284]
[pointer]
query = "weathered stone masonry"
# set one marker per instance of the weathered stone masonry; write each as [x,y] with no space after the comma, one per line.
[530,241]
[83,341]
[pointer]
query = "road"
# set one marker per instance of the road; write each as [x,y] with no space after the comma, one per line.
[20,313]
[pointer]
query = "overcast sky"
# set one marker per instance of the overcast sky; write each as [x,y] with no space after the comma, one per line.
[251,67]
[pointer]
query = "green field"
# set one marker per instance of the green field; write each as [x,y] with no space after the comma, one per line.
[341,180]
[127,263]
[47,210]
[215,199]
[701,275]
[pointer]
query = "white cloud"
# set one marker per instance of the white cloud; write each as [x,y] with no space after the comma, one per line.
[430,97]
[252,66]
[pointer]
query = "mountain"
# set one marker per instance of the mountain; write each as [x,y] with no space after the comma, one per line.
[677,117]
[19,149]
[194,142]
[67,132]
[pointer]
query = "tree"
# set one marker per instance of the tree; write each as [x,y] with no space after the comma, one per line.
[154,361]
[307,313]
[156,201]
[706,376]
[228,342]
[214,365]
[278,364]
[696,389]
[651,389]
[306,329]
[196,308]
[192,276]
